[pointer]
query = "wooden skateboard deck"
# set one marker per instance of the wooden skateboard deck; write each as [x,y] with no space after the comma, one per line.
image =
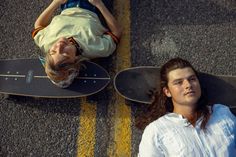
[26,77]
[136,83]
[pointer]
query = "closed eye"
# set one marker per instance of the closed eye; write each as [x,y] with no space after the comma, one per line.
[52,52]
[177,82]
[192,78]
[64,63]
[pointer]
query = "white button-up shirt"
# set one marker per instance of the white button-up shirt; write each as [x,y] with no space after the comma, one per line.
[173,136]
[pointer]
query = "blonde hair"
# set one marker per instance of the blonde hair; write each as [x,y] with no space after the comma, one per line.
[59,73]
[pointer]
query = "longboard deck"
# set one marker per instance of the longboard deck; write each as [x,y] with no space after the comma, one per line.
[26,77]
[136,83]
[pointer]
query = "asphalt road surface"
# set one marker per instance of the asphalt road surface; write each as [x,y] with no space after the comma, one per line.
[201,31]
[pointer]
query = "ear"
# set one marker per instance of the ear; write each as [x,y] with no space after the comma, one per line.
[166,92]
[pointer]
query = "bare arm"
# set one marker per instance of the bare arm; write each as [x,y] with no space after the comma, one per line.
[45,17]
[110,20]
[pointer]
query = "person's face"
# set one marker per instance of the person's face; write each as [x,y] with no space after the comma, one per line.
[63,52]
[183,87]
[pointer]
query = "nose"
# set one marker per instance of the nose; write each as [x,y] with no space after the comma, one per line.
[187,84]
[59,48]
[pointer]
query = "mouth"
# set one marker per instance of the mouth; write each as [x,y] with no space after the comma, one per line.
[190,93]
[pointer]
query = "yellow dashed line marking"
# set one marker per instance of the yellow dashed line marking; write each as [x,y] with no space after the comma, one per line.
[120,144]
[87,129]
[120,136]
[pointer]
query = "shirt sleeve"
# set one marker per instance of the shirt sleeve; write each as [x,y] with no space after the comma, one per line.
[38,35]
[226,112]
[102,46]
[233,117]
[114,38]
[149,146]
[35,31]
[108,44]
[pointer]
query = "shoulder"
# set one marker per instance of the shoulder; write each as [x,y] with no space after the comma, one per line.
[157,126]
[36,30]
[150,128]
[220,111]
[150,145]
[152,132]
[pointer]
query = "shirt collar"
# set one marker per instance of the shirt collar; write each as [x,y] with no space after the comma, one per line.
[77,46]
[181,120]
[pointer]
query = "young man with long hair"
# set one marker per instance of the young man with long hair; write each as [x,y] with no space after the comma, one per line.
[183,122]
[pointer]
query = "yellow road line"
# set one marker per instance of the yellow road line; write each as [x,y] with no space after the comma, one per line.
[120,144]
[87,129]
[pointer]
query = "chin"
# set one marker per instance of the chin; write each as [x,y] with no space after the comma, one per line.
[193,101]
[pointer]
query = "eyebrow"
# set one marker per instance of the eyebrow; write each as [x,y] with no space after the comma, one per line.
[180,79]
[51,52]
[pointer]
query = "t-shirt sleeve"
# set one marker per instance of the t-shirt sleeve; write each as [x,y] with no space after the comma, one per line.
[114,38]
[35,31]
[38,36]
[109,44]
[149,146]
[102,47]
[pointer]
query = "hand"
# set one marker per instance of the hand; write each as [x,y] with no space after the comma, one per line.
[59,2]
[96,3]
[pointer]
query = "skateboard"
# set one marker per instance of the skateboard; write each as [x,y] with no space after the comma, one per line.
[26,77]
[138,83]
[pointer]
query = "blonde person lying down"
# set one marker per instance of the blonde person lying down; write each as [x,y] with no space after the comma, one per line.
[74,34]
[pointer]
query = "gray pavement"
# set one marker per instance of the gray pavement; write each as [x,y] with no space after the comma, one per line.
[202,31]
[28,126]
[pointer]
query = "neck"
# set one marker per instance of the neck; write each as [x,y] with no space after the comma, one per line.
[188,113]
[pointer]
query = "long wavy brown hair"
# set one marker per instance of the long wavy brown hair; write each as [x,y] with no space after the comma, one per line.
[162,104]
